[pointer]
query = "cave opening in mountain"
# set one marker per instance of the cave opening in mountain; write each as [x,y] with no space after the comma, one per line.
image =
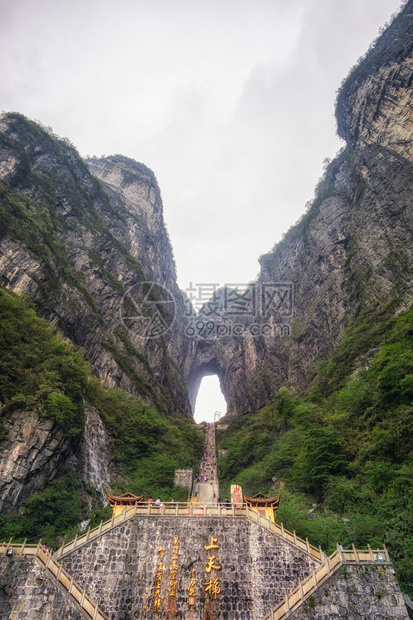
[209,400]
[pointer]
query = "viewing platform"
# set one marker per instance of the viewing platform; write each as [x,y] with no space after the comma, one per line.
[190,510]
[199,549]
[71,566]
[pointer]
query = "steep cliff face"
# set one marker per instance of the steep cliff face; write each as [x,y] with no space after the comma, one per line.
[348,261]
[132,186]
[78,248]
[375,104]
[29,458]
[83,241]
[82,251]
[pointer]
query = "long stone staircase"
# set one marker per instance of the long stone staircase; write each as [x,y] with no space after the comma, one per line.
[323,567]
[327,566]
[85,605]
[306,588]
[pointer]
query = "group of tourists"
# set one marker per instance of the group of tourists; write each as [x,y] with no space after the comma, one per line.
[157,503]
[206,485]
[207,472]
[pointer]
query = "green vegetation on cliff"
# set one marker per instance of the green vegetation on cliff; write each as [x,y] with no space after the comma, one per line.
[345,446]
[41,372]
[148,447]
[31,214]
[69,243]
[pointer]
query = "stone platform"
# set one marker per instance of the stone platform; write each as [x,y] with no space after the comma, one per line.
[151,565]
[256,567]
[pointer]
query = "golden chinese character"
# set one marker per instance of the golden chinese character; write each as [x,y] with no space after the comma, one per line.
[192,588]
[212,544]
[212,587]
[211,565]
[157,602]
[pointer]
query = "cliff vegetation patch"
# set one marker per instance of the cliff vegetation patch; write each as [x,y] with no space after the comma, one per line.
[341,456]
[42,372]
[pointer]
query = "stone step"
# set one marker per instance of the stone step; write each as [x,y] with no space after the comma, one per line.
[55,570]
[290,537]
[308,587]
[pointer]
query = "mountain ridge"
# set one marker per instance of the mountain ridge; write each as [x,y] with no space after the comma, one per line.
[82,239]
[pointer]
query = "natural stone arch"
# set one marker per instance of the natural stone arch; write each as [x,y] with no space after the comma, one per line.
[197,373]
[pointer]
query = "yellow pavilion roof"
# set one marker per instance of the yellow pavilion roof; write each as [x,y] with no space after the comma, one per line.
[262,501]
[127,499]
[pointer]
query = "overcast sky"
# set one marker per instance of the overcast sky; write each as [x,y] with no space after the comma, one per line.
[229,102]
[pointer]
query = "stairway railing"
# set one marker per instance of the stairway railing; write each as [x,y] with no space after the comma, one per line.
[290,537]
[305,588]
[18,548]
[69,584]
[181,509]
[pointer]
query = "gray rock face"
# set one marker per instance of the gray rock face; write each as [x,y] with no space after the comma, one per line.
[29,458]
[15,265]
[143,231]
[95,454]
[87,247]
[352,252]
[105,242]
[375,105]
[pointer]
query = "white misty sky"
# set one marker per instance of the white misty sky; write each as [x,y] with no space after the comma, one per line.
[210,399]
[229,102]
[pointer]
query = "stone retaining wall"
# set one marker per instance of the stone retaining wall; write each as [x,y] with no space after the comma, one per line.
[356,593]
[251,569]
[26,591]
[119,568]
[277,567]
